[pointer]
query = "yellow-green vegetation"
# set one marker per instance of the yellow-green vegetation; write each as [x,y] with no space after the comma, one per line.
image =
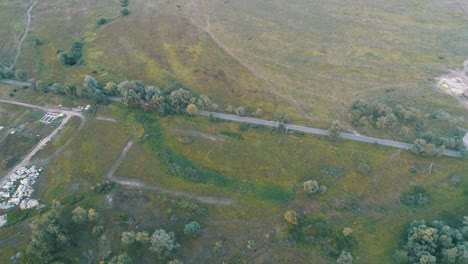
[258,193]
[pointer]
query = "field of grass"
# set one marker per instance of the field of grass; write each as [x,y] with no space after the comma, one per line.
[319,56]
[325,53]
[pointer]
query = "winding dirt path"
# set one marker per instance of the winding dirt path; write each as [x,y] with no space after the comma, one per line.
[25,34]
[143,186]
[252,70]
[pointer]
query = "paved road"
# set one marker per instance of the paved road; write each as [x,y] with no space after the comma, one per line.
[43,142]
[14,82]
[310,130]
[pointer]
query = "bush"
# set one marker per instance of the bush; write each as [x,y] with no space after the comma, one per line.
[230,134]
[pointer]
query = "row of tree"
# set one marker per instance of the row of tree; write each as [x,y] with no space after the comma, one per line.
[379,115]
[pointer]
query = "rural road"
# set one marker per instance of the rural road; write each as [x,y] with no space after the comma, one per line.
[310,130]
[316,131]
[14,82]
[43,142]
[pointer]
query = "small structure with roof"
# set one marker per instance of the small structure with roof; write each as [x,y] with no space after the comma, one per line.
[465,140]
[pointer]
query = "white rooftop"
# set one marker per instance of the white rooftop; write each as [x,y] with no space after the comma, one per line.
[465,140]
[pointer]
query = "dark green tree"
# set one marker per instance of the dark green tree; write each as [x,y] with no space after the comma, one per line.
[49,238]
[125,12]
[192,229]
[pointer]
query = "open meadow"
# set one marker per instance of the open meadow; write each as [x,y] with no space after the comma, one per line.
[260,194]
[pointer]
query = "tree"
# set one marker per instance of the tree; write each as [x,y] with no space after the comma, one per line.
[42,86]
[123,3]
[32,84]
[433,243]
[111,88]
[334,130]
[240,111]
[93,216]
[79,215]
[48,237]
[163,243]
[364,168]
[128,238]
[192,109]
[121,259]
[175,261]
[464,153]
[179,99]
[63,57]
[101,21]
[345,258]
[21,75]
[124,12]
[312,187]
[291,217]
[192,229]
[97,230]
[421,146]
[142,237]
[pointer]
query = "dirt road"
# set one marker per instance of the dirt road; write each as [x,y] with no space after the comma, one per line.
[25,34]
[143,186]
[68,115]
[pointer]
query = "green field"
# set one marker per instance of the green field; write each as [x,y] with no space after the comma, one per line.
[310,60]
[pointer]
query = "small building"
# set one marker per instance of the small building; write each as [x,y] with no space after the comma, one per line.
[465,140]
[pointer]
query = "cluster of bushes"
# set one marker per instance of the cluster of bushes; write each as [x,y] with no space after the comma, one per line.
[74,58]
[318,232]
[365,114]
[434,243]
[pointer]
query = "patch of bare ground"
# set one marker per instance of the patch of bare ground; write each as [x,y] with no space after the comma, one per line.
[102,118]
[198,134]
